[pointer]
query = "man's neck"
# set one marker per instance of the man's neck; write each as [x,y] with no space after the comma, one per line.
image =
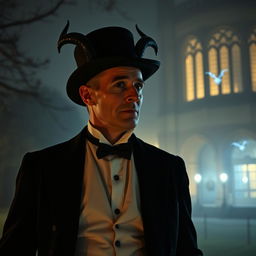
[110,134]
[112,137]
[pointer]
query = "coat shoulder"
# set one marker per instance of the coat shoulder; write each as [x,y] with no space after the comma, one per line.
[61,149]
[151,149]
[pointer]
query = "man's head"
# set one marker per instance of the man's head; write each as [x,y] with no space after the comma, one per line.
[114,98]
[104,49]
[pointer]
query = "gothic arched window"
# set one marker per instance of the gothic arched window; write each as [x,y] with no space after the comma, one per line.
[224,56]
[194,70]
[252,49]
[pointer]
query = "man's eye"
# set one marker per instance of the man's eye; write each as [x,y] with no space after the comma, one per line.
[120,84]
[139,85]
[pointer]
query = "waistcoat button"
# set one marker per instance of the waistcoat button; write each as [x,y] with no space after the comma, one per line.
[117,211]
[117,243]
[116,177]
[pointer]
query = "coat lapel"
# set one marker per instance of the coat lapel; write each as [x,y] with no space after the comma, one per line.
[65,189]
[158,197]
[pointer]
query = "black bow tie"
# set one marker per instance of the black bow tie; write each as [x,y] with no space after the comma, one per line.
[123,150]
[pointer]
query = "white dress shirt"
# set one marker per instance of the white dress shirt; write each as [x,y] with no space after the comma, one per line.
[110,220]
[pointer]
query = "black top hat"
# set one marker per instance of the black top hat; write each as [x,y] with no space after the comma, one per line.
[103,49]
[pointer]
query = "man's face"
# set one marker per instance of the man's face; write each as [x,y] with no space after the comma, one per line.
[114,103]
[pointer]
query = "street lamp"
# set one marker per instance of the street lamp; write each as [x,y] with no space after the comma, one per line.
[224,178]
[245,179]
[198,179]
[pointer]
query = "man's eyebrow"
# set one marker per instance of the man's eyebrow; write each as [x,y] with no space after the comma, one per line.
[116,78]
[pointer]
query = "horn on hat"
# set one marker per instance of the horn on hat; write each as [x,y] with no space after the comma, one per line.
[144,42]
[77,39]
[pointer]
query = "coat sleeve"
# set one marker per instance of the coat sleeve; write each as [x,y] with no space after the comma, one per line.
[187,237]
[19,232]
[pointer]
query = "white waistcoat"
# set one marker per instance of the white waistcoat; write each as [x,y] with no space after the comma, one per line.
[110,220]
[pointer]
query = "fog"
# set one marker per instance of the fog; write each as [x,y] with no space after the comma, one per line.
[225,220]
[44,125]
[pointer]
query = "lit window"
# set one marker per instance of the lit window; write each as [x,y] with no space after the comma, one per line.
[224,65]
[237,77]
[199,76]
[224,54]
[244,174]
[252,47]
[190,94]
[194,70]
[213,68]
[245,181]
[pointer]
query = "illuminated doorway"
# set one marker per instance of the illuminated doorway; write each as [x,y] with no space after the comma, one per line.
[244,174]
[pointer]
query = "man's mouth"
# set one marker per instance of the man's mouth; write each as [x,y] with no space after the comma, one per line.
[130,111]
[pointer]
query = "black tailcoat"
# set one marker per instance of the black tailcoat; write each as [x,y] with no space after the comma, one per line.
[44,215]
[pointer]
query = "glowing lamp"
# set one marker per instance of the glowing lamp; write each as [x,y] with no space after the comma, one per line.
[198,178]
[223,177]
[245,179]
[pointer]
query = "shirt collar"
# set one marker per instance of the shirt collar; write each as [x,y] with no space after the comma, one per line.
[97,134]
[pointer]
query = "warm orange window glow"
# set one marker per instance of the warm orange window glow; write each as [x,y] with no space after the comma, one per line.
[190,94]
[213,68]
[199,76]
[224,64]
[253,65]
[237,74]
[194,70]
[252,49]
[225,54]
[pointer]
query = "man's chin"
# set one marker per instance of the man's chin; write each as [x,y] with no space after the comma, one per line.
[132,124]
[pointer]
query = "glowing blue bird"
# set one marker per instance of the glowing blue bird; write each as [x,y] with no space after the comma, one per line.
[241,145]
[217,79]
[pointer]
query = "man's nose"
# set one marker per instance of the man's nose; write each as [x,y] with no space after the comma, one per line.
[133,95]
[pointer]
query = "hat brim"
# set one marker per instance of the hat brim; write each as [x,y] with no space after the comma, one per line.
[84,73]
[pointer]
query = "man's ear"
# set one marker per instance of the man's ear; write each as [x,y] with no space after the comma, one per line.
[86,94]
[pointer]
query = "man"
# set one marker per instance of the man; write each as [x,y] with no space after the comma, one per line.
[104,192]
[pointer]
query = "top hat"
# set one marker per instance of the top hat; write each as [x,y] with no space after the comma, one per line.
[102,49]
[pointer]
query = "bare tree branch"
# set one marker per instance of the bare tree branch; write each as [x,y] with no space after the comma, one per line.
[16,90]
[18,70]
[36,17]
[110,6]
